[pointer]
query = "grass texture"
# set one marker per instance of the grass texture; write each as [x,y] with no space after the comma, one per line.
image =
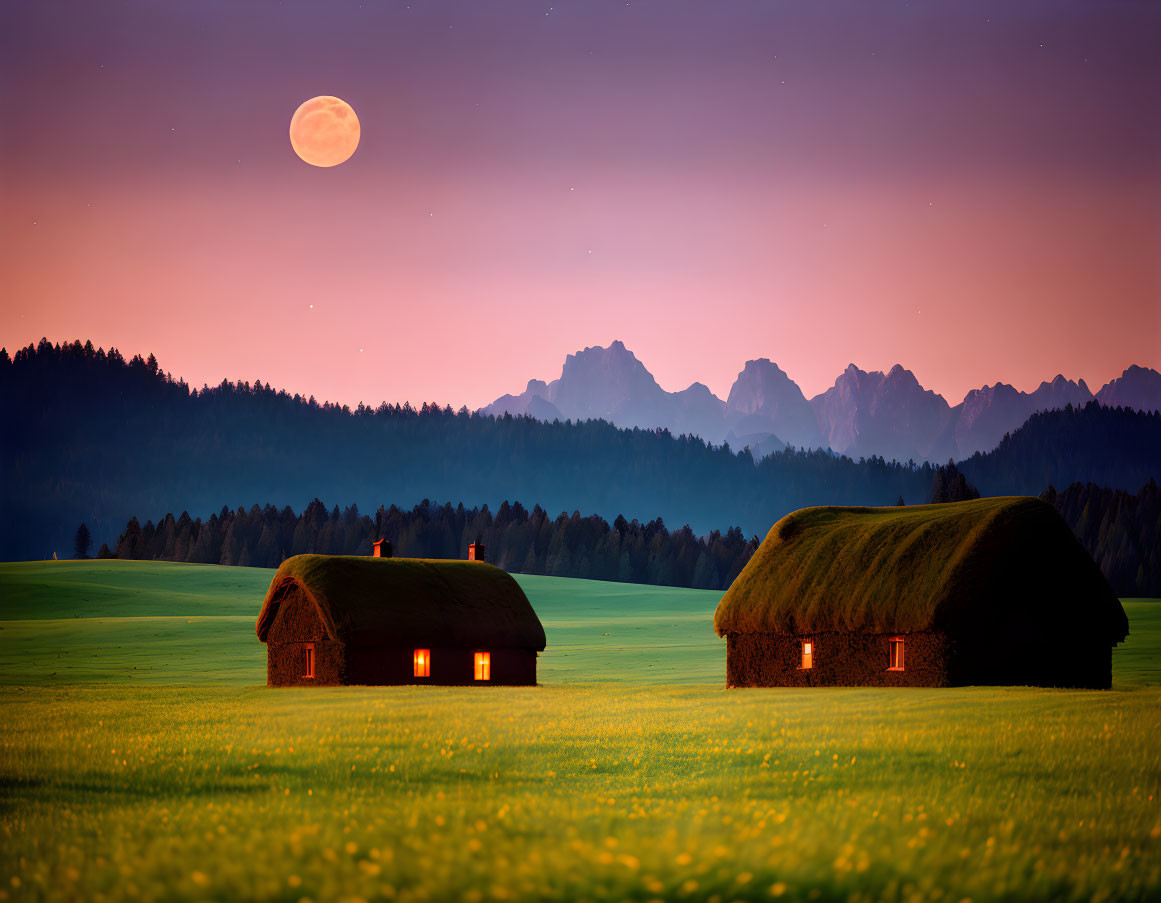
[919,567]
[628,775]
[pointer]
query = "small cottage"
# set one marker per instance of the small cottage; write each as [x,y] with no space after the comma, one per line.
[990,591]
[337,619]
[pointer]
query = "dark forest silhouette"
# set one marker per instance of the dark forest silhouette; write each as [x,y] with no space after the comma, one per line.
[527,542]
[1115,447]
[949,485]
[91,437]
[1122,532]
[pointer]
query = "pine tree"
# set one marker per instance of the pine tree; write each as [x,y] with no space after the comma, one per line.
[949,485]
[129,543]
[625,568]
[82,543]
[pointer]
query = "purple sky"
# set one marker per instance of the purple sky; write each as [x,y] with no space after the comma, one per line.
[970,189]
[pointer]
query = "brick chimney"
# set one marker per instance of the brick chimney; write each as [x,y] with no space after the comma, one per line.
[382,548]
[476,551]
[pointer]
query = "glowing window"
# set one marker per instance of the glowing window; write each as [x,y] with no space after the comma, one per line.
[807,654]
[896,645]
[308,660]
[422,662]
[483,666]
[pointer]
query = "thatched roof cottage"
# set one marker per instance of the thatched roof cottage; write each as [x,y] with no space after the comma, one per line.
[337,619]
[991,591]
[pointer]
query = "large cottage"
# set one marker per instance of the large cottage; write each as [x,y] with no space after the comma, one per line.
[991,591]
[337,619]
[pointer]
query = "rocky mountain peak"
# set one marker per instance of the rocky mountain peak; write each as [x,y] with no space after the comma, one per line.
[864,413]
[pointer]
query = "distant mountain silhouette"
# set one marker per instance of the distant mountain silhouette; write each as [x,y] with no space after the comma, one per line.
[1138,388]
[890,415]
[532,401]
[764,400]
[611,384]
[1059,393]
[987,414]
[765,412]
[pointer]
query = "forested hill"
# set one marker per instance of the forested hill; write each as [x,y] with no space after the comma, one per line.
[88,436]
[1116,448]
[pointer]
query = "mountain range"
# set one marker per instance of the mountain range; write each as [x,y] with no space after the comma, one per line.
[863,414]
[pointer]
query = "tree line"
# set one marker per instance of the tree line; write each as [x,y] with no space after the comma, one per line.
[515,539]
[1121,530]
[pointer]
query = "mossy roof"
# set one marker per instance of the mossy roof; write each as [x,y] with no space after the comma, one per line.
[400,601]
[965,565]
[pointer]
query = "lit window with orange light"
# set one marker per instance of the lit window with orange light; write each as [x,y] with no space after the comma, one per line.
[483,666]
[308,660]
[422,661]
[896,646]
[807,654]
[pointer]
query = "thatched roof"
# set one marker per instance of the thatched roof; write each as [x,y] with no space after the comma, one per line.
[905,569]
[405,601]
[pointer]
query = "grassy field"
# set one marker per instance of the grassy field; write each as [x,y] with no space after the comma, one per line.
[128,621]
[142,759]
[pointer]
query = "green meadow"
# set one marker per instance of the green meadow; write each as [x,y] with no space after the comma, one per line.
[141,758]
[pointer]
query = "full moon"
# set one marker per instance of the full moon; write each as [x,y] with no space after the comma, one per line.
[324,131]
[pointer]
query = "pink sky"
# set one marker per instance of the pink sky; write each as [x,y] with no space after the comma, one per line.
[937,192]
